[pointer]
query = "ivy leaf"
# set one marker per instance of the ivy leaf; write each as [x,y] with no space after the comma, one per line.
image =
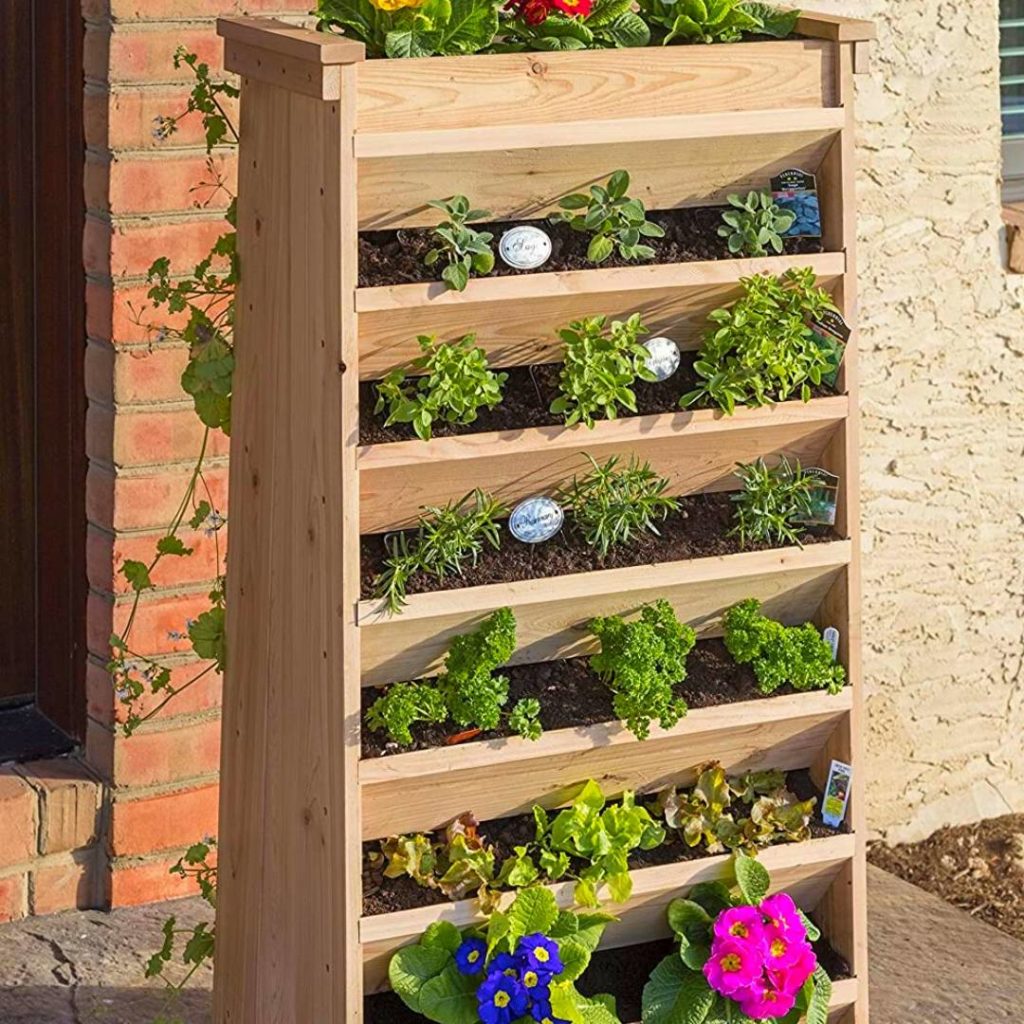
[676,995]
[207,636]
[752,878]
[171,545]
[137,575]
[201,514]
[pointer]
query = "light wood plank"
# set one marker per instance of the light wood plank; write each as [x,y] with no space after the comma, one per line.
[568,88]
[552,614]
[422,791]
[694,451]
[674,299]
[287,40]
[835,28]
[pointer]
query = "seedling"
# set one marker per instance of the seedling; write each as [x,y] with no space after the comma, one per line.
[755,225]
[463,249]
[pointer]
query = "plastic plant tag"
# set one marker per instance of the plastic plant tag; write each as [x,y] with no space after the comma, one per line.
[837,794]
[525,247]
[831,636]
[824,498]
[832,333]
[797,191]
[663,358]
[536,520]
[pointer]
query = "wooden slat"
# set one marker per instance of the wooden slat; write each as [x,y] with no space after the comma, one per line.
[694,451]
[835,28]
[632,130]
[674,299]
[568,88]
[422,791]
[552,614]
[279,37]
[805,870]
[517,183]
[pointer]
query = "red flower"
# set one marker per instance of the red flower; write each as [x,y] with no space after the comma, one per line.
[572,7]
[535,12]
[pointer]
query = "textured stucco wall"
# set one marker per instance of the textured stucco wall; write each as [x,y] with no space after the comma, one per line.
[943,423]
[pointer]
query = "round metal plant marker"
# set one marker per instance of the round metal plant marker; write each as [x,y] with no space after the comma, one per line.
[663,357]
[536,520]
[525,247]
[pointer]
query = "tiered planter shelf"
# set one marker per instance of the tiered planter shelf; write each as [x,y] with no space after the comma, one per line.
[333,144]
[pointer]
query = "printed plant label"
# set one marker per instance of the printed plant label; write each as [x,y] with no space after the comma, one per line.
[824,498]
[536,520]
[837,794]
[797,191]
[832,333]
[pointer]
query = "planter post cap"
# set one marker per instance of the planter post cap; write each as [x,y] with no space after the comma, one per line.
[291,41]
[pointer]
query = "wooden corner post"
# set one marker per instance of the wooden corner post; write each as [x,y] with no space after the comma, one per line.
[289,897]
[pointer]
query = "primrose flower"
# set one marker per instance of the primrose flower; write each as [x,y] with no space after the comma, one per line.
[573,7]
[782,948]
[791,979]
[744,924]
[762,1001]
[782,914]
[501,999]
[539,953]
[469,957]
[504,963]
[540,1011]
[536,983]
[733,966]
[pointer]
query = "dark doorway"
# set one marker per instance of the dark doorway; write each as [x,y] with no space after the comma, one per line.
[42,350]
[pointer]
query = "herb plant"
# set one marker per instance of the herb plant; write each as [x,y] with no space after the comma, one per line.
[745,813]
[755,225]
[600,365]
[412,28]
[780,654]
[613,219]
[463,249]
[642,662]
[732,945]
[402,706]
[447,539]
[611,505]
[450,381]
[761,348]
[774,504]
[520,965]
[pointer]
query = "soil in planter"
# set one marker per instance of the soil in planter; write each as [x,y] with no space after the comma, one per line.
[621,972]
[979,868]
[691,234]
[572,696]
[529,392]
[387,895]
[700,529]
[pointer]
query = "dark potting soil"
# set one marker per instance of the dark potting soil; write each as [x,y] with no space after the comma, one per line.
[529,392]
[621,972]
[691,234]
[572,696]
[385,895]
[699,529]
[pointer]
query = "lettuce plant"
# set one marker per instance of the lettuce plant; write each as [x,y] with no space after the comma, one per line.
[600,364]
[642,662]
[755,225]
[774,504]
[761,349]
[450,381]
[462,249]
[610,505]
[780,654]
[613,219]
[522,964]
[743,956]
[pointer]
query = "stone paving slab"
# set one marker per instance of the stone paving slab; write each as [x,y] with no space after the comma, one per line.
[931,964]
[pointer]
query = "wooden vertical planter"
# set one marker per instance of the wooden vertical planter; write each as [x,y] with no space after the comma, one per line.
[331,144]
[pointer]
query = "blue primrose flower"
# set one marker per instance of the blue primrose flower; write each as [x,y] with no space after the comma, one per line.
[504,963]
[540,1011]
[501,999]
[470,956]
[539,953]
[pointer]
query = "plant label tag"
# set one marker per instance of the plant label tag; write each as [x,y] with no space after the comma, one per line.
[663,357]
[525,247]
[831,636]
[797,191]
[837,794]
[536,520]
[832,333]
[824,497]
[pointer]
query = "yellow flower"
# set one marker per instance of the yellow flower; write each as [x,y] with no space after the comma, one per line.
[395,5]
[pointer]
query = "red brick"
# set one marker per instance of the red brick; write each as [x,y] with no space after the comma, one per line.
[135,246]
[144,501]
[156,823]
[76,884]
[193,697]
[69,806]
[125,315]
[13,897]
[142,55]
[19,815]
[149,374]
[156,755]
[99,372]
[160,183]
[105,555]
[148,437]
[136,881]
[156,618]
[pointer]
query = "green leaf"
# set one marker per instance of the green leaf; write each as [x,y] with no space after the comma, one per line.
[533,910]
[207,636]
[714,897]
[411,968]
[773,21]
[450,998]
[618,184]
[689,919]
[813,931]
[137,575]
[442,935]
[456,276]
[817,1008]
[752,878]
[600,248]
[676,995]
[171,545]
[471,26]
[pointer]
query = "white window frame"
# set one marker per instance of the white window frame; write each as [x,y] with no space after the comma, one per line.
[1013,145]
